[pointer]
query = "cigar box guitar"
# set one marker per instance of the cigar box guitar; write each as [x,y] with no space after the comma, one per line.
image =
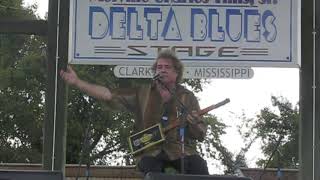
[156,134]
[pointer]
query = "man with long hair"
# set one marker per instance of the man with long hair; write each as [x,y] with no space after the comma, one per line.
[157,102]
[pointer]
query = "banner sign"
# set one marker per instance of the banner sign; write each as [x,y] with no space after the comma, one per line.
[219,72]
[202,32]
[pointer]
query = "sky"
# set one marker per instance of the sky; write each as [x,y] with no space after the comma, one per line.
[247,96]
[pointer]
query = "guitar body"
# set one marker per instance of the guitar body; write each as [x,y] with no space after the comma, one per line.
[146,138]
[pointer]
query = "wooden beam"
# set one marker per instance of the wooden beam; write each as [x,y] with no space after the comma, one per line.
[61,118]
[54,147]
[15,26]
[48,155]
[96,171]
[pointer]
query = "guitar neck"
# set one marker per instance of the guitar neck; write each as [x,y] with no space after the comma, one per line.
[212,107]
[201,113]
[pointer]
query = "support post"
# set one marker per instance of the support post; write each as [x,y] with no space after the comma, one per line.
[309,94]
[55,125]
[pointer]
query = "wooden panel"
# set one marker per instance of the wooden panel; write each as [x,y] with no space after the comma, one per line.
[96,172]
[35,27]
[105,171]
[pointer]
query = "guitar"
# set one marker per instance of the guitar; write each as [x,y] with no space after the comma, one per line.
[155,134]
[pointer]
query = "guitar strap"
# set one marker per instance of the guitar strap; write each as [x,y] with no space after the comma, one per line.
[172,109]
[182,100]
[175,119]
[165,117]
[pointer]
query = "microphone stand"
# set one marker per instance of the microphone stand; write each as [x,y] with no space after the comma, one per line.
[279,173]
[273,153]
[85,149]
[182,114]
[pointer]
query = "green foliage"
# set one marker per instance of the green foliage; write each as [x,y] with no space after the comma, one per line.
[21,100]
[213,148]
[271,125]
[21,90]
[14,9]
[284,126]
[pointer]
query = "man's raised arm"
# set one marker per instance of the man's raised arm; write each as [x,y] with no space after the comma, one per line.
[97,91]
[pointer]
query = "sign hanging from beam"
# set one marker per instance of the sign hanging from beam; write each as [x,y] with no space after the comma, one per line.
[243,33]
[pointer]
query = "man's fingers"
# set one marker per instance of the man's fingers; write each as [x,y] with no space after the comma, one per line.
[192,117]
[195,114]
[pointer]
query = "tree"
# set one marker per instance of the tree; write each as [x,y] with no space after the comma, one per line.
[21,90]
[278,130]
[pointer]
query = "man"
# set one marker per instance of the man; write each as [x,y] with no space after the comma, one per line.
[158,102]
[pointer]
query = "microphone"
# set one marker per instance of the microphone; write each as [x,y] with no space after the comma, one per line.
[156,77]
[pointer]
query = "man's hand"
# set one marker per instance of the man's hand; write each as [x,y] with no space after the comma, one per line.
[69,76]
[193,118]
[196,126]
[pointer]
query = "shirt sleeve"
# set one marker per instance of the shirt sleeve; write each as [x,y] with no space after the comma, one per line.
[123,99]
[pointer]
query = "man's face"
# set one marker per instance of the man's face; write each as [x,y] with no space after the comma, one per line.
[166,70]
